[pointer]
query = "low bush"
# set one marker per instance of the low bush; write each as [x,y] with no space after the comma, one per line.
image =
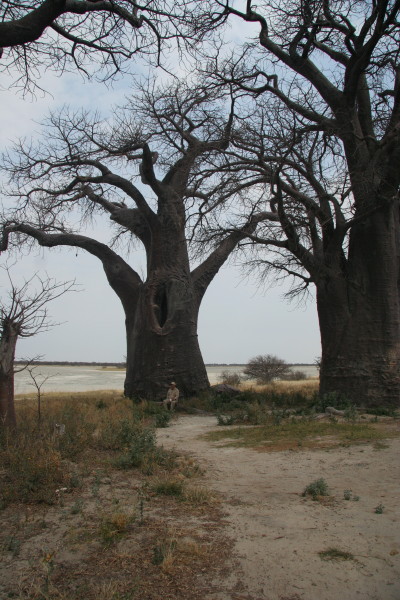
[316,489]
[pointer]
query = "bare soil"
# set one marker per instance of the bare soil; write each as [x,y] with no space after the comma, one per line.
[255,537]
[278,534]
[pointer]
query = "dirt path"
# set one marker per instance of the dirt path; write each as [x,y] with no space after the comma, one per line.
[278,534]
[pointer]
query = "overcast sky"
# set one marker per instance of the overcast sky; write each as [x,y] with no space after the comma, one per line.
[237,319]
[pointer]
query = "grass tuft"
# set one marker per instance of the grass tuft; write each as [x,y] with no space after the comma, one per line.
[335,554]
[168,487]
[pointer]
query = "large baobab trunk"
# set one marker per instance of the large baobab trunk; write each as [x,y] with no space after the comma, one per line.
[162,344]
[359,316]
[162,340]
[8,344]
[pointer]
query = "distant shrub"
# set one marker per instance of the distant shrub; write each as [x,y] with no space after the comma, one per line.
[230,378]
[266,368]
[297,375]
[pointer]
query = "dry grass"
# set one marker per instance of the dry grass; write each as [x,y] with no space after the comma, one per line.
[76,526]
[99,429]
[307,387]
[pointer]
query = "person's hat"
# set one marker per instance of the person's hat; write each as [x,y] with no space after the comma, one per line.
[172,383]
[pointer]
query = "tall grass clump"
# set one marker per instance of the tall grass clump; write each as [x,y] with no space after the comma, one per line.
[32,470]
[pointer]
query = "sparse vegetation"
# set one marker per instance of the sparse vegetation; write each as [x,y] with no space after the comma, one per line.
[120,509]
[348,495]
[379,509]
[114,526]
[72,480]
[36,464]
[301,432]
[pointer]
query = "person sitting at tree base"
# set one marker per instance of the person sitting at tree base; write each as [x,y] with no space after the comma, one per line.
[172,396]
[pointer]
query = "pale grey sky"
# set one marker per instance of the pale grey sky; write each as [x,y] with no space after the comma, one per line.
[237,320]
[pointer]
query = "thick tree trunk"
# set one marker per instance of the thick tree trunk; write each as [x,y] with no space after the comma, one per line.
[7,409]
[162,340]
[358,312]
[8,344]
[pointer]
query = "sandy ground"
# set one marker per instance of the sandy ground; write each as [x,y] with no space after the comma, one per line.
[278,534]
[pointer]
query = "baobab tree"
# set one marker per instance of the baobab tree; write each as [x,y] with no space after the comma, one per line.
[140,172]
[323,146]
[23,313]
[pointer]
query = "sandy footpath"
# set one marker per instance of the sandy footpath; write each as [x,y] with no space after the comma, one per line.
[278,534]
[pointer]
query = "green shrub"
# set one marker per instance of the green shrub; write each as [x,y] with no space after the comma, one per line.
[162,419]
[78,432]
[140,443]
[317,488]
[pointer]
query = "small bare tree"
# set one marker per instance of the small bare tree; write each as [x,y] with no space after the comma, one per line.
[265,368]
[38,381]
[22,314]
